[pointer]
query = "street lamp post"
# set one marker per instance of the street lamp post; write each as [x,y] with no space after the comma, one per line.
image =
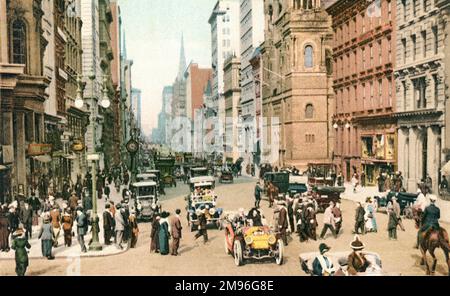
[105,103]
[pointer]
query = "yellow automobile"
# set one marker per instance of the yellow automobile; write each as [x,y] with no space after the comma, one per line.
[257,242]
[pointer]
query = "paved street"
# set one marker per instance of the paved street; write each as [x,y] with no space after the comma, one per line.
[399,258]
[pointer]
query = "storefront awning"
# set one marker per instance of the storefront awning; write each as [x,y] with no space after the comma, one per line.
[43,158]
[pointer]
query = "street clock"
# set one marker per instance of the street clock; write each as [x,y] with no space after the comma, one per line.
[132,146]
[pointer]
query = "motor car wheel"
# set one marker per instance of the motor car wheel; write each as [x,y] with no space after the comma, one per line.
[237,250]
[227,251]
[279,253]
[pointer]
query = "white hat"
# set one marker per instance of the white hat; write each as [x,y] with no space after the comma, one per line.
[51,198]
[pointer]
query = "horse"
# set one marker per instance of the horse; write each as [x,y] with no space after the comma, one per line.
[429,240]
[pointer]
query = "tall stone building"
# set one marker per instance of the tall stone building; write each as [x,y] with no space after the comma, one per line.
[251,36]
[22,87]
[420,91]
[116,64]
[225,41]
[364,61]
[77,119]
[298,100]
[232,94]
[92,73]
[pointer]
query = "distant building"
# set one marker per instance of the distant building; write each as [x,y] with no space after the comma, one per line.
[136,106]
[251,36]
[232,95]
[225,41]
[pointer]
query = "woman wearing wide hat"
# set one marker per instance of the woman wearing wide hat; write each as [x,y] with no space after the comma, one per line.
[46,235]
[164,234]
[357,262]
[322,265]
[20,244]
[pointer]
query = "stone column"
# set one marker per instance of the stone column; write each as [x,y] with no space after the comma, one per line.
[20,161]
[402,157]
[432,157]
[412,161]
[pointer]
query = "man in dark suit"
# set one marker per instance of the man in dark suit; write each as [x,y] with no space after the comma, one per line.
[175,225]
[283,222]
[359,219]
[107,224]
[26,217]
[202,222]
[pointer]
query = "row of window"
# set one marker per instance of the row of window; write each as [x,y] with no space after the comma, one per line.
[421,99]
[365,58]
[365,96]
[361,23]
[414,7]
[424,46]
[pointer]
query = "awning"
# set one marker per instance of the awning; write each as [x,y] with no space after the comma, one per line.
[43,158]
[446,169]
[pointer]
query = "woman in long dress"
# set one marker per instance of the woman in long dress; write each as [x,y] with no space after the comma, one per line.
[154,235]
[369,217]
[164,234]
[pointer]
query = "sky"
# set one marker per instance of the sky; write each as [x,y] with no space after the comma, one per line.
[153,30]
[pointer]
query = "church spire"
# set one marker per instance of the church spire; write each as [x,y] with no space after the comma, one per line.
[182,65]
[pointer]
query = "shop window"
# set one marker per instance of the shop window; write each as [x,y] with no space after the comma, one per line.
[367,147]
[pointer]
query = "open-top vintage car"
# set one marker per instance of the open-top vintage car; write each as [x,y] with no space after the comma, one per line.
[324,194]
[257,242]
[201,198]
[340,261]
[226,176]
[213,214]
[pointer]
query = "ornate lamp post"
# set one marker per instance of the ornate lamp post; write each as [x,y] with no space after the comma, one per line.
[105,103]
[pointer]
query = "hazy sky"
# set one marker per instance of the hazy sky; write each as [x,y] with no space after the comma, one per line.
[153,31]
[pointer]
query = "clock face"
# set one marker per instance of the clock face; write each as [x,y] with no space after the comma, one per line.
[132,146]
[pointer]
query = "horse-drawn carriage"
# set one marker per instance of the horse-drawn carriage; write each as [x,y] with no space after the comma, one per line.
[323,195]
[280,180]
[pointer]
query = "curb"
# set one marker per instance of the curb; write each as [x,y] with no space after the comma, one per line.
[65,256]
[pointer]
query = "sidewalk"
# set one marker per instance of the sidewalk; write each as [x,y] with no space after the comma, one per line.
[64,252]
[75,250]
[363,192]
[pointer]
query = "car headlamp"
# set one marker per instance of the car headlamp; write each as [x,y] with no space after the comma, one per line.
[272,239]
[212,211]
[248,240]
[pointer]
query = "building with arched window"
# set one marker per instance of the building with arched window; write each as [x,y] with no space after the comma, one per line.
[22,97]
[297,92]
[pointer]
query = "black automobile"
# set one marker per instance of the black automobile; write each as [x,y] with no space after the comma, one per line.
[403,198]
